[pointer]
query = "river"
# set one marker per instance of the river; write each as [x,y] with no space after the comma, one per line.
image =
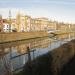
[13,55]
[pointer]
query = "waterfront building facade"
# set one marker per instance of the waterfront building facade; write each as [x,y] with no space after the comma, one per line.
[14,25]
[36,24]
[52,25]
[25,23]
[44,23]
[20,22]
[1,24]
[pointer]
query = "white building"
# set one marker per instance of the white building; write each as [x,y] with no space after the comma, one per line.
[6,27]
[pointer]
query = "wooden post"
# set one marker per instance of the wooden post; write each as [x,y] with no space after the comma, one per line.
[33,54]
[29,56]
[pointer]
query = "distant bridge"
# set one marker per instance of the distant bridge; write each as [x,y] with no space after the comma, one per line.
[57,32]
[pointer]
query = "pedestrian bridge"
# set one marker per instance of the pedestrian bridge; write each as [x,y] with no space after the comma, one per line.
[56,32]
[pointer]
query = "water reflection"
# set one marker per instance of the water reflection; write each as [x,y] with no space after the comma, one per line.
[14,54]
[66,36]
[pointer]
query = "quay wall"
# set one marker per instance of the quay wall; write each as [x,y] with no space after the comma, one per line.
[15,36]
[63,32]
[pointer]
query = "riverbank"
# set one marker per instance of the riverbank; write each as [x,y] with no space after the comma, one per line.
[16,36]
[63,32]
[54,62]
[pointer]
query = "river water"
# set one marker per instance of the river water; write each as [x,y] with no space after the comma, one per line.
[14,55]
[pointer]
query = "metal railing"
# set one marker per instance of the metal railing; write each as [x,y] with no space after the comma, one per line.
[18,62]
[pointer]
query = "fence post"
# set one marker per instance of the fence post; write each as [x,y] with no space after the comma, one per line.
[29,56]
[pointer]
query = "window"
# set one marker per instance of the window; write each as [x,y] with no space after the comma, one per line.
[7,26]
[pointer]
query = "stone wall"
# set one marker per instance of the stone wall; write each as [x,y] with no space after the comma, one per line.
[14,36]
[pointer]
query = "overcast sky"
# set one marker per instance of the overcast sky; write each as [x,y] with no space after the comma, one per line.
[59,10]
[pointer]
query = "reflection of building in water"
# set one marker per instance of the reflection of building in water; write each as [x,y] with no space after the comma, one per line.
[4,51]
[41,43]
[45,43]
[66,36]
[21,48]
[72,35]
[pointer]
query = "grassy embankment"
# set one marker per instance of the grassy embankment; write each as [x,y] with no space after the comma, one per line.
[56,62]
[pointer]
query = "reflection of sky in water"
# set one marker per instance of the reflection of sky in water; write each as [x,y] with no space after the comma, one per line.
[41,46]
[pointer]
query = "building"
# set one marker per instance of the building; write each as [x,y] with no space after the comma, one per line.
[5,25]
[62,26]
[44,23]
[1,24]
[52,25]
[35,24]
[14,25]
[23,23]
[72,27]
[27,23]
[20,22]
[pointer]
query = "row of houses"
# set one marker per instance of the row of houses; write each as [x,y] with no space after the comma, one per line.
[25,23]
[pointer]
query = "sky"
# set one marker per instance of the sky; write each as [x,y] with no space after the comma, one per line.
[58,10]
